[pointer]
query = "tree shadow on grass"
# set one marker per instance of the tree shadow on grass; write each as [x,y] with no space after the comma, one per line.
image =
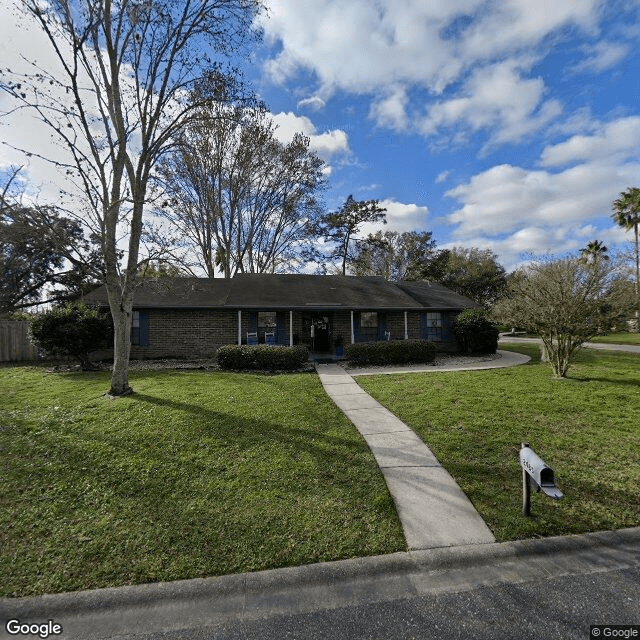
[613,381]
[251,432]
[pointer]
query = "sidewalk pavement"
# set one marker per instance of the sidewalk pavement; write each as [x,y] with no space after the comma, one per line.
[506,359]
[200,608]
[433,510]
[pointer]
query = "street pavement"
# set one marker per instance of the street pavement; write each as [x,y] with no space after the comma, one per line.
[628,348]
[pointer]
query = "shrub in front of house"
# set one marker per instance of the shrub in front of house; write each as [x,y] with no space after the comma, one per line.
[262,357]
[390,352]
[475,333]
[73,330]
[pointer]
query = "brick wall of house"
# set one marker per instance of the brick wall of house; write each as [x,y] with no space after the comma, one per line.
[341,326]
[414,324]
[183,333]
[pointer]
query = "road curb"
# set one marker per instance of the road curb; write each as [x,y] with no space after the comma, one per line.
[562,555]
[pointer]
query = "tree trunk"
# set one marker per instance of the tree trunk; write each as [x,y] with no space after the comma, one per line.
[121,349]
[121,305]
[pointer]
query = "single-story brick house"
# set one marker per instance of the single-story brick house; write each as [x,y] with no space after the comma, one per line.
[192,317]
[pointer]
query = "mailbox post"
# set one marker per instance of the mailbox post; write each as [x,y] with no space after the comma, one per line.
[535,474]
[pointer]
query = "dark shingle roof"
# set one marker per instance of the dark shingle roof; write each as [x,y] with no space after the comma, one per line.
[174,292]
[290,291]
[304,291]
[433,295]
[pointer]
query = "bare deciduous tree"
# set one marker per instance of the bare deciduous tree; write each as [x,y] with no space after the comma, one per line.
[116,95]
[394,256]
[243,200]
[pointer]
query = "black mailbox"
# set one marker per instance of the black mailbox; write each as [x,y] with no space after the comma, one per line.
[536,472]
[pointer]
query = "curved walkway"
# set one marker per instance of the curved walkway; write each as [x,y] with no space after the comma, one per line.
[432,508]
[505,359]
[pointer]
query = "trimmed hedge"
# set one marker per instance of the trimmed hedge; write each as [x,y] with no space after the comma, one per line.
[475,333]
[390,352]
[262,357]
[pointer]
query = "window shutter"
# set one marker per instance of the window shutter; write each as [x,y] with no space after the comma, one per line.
[281,319]
[144,328]
[424,331]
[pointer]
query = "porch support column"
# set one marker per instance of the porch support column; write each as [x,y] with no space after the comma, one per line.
[239,327]
[406,327]
[291,328]
[353,338]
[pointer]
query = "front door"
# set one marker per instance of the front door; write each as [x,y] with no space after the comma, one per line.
[321,333]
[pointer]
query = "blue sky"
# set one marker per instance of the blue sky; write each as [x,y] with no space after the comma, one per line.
[509,125]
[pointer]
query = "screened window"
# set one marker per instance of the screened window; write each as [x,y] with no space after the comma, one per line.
[369,319]
[368,326]
[267,323]
[434,325]
[135,328]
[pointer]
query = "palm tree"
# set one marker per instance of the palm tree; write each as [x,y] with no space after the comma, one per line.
[594,251]
[626,213]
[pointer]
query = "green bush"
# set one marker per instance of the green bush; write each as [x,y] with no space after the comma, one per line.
[75,329]
[391,352]
[475,333]
[263,357]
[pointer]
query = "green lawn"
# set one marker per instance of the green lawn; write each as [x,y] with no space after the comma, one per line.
[196,474]
[587,428]
[619,338]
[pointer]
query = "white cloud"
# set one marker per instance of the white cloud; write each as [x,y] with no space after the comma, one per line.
[512,25]
[314,103]
[619,137]
[602,56]
[400,217]
[506,198]
[328,145]
[496,98]
[442,176]
[22,129]
[387,47]
[514,210]
[390,111]
[360,45]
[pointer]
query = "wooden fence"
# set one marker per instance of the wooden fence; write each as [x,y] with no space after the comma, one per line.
[15,345]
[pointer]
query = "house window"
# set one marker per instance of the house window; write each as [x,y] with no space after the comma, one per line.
[267,323]
[135,328]
[369,319]
[434,325]
[368,325]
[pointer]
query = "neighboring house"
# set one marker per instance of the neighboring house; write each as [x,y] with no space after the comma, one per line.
[192,317]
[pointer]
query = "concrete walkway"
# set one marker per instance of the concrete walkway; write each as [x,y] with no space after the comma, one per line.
[432,508]
[505,359]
